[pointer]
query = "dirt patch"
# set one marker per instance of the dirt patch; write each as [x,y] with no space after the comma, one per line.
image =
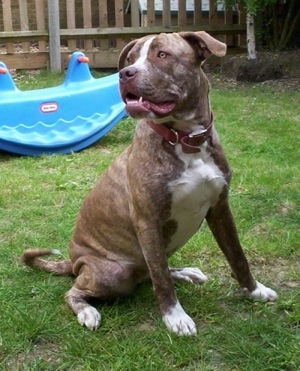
[280,70]
[227,83]
[268,65]
[43,351]
[281,272]
[257,71]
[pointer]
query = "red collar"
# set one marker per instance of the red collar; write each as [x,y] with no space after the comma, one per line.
[190,142]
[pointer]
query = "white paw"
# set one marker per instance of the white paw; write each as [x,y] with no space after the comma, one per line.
[262,293]
[179,322]
[89,317]
[193,275]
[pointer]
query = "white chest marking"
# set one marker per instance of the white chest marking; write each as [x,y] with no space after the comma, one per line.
[193,193]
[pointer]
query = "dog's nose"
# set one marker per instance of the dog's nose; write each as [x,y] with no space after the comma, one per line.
[127,73]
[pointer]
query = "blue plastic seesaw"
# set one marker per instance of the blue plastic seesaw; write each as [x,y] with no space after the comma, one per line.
[62,119]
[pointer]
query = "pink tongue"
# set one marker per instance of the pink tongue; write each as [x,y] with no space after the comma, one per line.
[162,108]
[135,106]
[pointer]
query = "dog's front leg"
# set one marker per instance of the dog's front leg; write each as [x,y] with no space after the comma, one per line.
[173,314]
[222,225]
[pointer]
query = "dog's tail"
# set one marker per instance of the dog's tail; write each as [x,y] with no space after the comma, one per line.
[31,257]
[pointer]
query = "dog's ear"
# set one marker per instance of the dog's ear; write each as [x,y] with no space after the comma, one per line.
[205,44]
[124,53]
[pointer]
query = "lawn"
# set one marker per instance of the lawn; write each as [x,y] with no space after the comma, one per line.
[40,198]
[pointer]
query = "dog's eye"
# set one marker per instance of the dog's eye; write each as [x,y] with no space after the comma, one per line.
[162,54]
[128,60]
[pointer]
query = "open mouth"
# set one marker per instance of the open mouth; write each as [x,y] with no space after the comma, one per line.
[140,105]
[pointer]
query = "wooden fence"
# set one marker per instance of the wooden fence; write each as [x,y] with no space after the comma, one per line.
[40,33]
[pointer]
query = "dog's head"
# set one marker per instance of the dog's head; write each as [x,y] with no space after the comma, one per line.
[160,75]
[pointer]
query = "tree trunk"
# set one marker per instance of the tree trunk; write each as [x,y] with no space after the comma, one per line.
[292,29]
[287,24]
[275,27]
[251,37]
[290,23]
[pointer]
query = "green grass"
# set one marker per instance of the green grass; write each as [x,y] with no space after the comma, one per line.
[39,201]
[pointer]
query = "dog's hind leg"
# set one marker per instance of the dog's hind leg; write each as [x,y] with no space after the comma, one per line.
[87,315]
[96,278]
[192,275]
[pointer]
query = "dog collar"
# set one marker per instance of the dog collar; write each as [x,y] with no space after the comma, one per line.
[190,142]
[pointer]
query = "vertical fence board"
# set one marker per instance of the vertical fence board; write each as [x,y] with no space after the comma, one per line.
[103,20]
[24,22]
[228,14]
[166,16]
[242,19]
[149,18]
[87,21]
[213,16]
[71,21]
[135,13]
[181,12]
[213,13]
[119,18]
[7,23]
[197,12]
[40,21]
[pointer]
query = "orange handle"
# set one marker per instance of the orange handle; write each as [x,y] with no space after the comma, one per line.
[83,59]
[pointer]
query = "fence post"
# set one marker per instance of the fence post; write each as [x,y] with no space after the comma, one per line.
[54,36]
